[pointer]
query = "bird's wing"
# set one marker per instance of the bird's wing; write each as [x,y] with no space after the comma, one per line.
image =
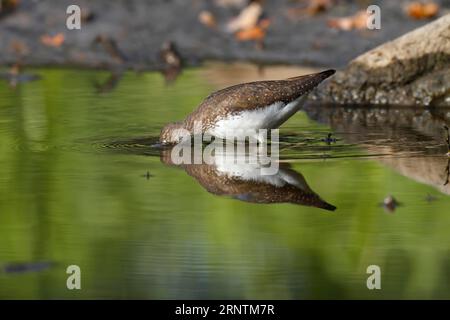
[254,95]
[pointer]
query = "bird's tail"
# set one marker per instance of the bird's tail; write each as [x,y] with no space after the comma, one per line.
[325,205]
[315,77]
[310,81]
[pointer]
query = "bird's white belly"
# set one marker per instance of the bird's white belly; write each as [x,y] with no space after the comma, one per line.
[270,117]
[252,172]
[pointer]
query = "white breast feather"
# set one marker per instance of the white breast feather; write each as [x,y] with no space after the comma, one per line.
[270,117]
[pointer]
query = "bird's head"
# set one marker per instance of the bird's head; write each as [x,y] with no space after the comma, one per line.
[173,133]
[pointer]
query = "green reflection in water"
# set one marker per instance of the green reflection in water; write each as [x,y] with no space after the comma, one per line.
[68,199]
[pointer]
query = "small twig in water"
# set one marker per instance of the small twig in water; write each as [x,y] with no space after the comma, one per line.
[328,140]
[147,176]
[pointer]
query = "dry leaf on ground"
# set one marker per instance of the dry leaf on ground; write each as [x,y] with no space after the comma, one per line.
[207,18]
[357,21]
[53,41]
[248,18]
[257,32]
[254,33]
[418,10]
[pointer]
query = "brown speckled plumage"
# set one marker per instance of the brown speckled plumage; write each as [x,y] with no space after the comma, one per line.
[251,96]
[221,184]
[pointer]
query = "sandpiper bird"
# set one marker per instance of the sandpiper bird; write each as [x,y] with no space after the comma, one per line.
[248,106]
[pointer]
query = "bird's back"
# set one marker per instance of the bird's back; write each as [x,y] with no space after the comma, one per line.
[253,95]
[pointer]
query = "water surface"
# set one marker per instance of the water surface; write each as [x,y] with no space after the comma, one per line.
[80,184]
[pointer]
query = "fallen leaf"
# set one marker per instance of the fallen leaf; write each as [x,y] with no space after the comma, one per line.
[207,18]
[357,21]
[341,23]
[53,41]
[418,10]
[257,32]
[110,45]
[254,33]
[248,18]
[312,8]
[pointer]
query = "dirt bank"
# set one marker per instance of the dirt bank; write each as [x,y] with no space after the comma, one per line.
[138,28]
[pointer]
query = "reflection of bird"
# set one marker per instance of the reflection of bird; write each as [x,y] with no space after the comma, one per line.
[247,106]
[244,181]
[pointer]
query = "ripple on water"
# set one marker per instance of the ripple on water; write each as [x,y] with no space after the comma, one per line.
[309,145]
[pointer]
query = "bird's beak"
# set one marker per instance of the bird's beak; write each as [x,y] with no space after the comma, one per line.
[158,145]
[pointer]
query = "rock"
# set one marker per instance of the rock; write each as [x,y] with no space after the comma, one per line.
[413,69]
